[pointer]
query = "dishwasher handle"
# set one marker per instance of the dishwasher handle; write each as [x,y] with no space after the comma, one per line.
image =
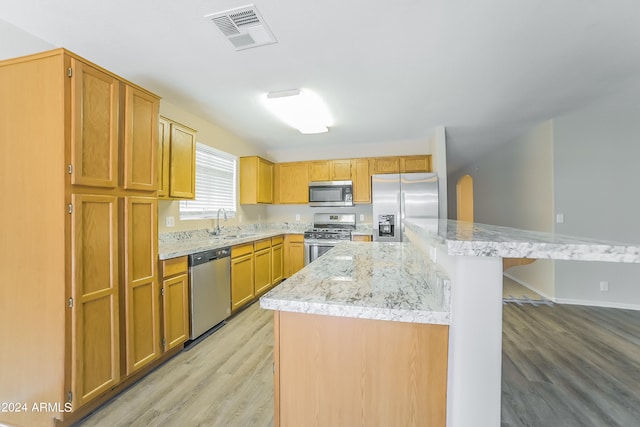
[207,256]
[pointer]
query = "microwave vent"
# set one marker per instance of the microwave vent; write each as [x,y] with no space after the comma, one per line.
[243,27]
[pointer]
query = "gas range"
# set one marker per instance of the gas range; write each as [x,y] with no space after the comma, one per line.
[331,226]
[328,230]
[327,234]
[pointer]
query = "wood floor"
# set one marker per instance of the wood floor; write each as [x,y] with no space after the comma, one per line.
[562,366]
[570,366]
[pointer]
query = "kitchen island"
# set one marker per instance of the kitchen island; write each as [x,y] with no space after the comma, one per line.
[466,261]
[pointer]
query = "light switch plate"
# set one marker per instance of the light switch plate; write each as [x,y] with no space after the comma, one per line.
[170,221]
[559,218]
[297,217]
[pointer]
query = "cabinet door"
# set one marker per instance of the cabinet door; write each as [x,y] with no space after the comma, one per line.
[175,310]
[293,182]
[319,171]
[340,170]
[361,177]
[164,138]
[277,264]
[265,181]
[410,164]
[94,126]
[140,140]
[242,290]
[262,270]
[296,257]
[182,162]
[387,165]
[95,344]
[141,296]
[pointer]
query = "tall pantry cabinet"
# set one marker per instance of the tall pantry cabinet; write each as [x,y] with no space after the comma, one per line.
[79,233]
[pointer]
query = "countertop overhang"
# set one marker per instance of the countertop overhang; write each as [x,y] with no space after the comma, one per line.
[474,239]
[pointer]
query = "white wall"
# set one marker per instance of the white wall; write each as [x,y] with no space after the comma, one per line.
[16,42]
[513,187]
[597,188]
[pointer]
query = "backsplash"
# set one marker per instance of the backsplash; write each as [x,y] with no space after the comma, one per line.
[204,234]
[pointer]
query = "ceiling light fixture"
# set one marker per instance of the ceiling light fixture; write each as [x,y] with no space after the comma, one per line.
[301,109]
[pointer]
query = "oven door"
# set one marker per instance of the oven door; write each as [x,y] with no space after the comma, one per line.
[313,249]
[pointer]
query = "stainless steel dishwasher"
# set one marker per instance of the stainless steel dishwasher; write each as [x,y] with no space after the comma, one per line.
[210,289]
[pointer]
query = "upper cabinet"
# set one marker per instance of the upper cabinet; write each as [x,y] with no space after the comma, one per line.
[140,136]
[361,177]
[410,164]
[386,165]
[292,183]
[403,164]
[94,126]
[256,180]
[330,170]
[176,159]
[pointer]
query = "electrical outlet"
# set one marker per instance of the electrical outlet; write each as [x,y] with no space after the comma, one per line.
[170,221]
[604,286]
[297,217]
[560,218]
[361,217]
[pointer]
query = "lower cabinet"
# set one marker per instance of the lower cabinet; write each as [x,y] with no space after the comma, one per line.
[293,254]
[242,276]
[175,302]
[277,260]
[262,259]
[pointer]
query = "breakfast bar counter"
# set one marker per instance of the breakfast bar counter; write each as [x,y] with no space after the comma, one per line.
[431,304]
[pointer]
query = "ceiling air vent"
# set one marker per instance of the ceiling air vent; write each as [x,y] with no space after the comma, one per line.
[243,26]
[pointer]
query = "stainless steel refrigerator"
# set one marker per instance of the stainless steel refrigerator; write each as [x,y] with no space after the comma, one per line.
[397,197]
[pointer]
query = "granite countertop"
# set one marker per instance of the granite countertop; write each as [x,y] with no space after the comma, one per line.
[202,240]
[383,281]
[473,239]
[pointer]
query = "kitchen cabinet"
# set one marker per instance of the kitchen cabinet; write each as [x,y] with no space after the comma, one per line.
[262,263]
[340,170]
[95,103]
[175,302]
[409,164]
[330,170]
[361,177]
[176,160]
[242,276]
[292,182]
[277,260]
[99,236]
[256,180]
[95,339]
[386,165]
[361,238]
[140,140]
[142,294]
[293,254]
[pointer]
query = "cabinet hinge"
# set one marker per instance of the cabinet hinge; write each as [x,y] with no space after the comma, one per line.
[70,397]
[69,72]
[164,343]
[69,168]
[70,208]
[162,291]
[70,303]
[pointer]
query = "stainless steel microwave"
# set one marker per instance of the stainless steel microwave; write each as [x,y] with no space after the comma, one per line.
[331,193]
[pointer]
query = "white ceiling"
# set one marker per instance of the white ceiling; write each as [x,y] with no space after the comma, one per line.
[390,70]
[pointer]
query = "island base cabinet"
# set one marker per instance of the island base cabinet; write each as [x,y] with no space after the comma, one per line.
[344,371]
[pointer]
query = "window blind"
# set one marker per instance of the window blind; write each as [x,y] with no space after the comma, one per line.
[215,184]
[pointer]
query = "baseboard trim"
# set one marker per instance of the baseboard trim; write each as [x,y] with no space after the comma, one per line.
[528,286]
[605,304]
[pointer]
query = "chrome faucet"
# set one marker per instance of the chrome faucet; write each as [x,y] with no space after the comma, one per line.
[217,232]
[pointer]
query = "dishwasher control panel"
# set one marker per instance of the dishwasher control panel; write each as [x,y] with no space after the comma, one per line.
[210,255]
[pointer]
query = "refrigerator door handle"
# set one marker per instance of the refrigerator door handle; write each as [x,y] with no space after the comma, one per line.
[402,211]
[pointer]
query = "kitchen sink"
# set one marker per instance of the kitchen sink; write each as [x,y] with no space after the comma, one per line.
[237,236]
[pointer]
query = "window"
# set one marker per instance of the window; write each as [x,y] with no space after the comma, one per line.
[215,184]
